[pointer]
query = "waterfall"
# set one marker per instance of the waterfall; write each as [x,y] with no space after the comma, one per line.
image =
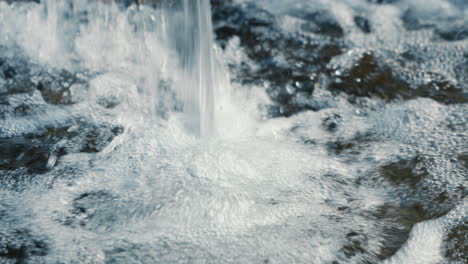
[198,63]
[184,25]
[193,39]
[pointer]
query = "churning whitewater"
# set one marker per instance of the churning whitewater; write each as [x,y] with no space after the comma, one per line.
[236,131]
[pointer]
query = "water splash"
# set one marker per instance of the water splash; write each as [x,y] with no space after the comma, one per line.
[182,24]
[311,188]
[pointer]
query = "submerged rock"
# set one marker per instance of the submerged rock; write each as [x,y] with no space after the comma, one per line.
[286,63]
[369,77]
[319,22]
[455,245]
[453,31]
[413,186]
[407,172]
[56,89]
[15,77]
[21,246]
[39,153]
[411,21]
[399,223]
[363,24]
[332,122]
[93,210]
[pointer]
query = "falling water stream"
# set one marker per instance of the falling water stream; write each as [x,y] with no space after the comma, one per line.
[198,62]
[173,131]
[194,47]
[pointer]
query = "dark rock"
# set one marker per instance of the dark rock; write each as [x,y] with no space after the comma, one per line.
[400,221]
[395,225]
[413,187]
[21,246]
[95,211]
[19,86]
[363,24]
[97,138]
[16,76]
[463,158]
[247,23]
[84,203]
[455,244]
[331,123]
[411,21]
[287,64]
[12,69]
[338,147]
[55,87]
[327,52]
[318,22]
[39,152]
[370,78]
[442,91]
[348,147]
[453,32]
[218,3]
[404,172]
[24,152]
[354,246]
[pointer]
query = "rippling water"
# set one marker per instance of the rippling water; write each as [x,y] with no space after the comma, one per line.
[340,132]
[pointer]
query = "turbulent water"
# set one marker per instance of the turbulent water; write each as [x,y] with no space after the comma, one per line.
[309,131]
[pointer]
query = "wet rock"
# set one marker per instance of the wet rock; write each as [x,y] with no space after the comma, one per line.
[127,252]
[338,147]
[84,203]
[15,76]
[463,158]
[442,91]
[332,122]
[399,223]
[319,22]
[248,23]
[455,244]
[404,172]
[286,63]
[411,21]
[96,138]
[218,3]
[453,32]
[356,247]
[38,153]
[25,152]
[413,187]
[95,211]
[348,147]
[394,228]
[21,246]
[55,87]
[363,24]
[369,78]
[328,51]
[12,69]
